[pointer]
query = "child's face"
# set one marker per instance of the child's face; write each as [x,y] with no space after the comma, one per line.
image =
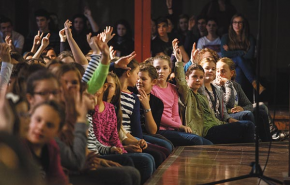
[209,71]
[44,125]
[145,82]
[223,70]
[133,77]
[70,81]
[162,68]
[111,88]
[44,90]
[195,80]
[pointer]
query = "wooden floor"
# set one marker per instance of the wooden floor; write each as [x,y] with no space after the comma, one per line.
[203,164]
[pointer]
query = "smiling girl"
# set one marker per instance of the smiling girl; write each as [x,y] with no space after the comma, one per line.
[46,121]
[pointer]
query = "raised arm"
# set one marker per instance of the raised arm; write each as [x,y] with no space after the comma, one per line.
[36,42]
[101,73]
[44,44]
[95,58]
[76,51]
[181,84]
[94,25]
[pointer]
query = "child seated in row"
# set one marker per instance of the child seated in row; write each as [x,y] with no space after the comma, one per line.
[198,115]
[171,126]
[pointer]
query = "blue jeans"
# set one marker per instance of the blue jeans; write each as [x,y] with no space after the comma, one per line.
[262,124]
[243,115]
[158,141]
[244,66]
[184,139]
[244,75]
[238,132]
[144,163]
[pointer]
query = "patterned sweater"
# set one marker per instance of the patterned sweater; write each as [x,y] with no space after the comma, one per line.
[105,126]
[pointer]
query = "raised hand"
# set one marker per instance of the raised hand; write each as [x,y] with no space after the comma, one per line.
[169,4]
[92,43]
[87,12]
[191,23]
[108,31]
[112,52]
[103,46]
[45,41]
[176,50]
[62,35]
[194,52]
[37,38]
[67,25]
[5,52]
[124,61]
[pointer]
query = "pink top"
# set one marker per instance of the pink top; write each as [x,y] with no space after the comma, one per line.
[170,119]
[105,126]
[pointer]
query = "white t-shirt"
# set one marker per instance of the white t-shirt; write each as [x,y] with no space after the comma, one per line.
[215,45]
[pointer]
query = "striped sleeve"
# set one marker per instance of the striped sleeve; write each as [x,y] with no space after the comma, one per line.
[93,143]
[127,103]
[93,65]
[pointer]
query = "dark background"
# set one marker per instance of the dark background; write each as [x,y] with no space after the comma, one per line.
[275,37]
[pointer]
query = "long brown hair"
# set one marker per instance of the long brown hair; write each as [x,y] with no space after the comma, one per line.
[234,42]
[116,99]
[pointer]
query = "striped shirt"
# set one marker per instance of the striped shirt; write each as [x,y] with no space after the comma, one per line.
[93,65]
[131,114]
[127,101]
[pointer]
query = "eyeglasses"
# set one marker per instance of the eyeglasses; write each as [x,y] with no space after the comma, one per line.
[46,93]
[238,22]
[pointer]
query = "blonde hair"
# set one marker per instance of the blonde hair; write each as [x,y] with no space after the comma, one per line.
[202,52]
[231,65]
[207,59]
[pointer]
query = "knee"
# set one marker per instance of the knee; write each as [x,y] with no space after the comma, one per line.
[197,140]
[249,115]
[134,175]
[250,126]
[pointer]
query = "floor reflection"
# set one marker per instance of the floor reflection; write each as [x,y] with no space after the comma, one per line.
[202,164]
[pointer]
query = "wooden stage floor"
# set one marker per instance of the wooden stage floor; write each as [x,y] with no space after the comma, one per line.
[202,164]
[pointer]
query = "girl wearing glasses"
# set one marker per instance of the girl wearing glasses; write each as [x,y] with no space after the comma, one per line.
[239,45]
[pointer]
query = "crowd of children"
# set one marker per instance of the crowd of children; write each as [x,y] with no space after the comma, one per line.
[91,114]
